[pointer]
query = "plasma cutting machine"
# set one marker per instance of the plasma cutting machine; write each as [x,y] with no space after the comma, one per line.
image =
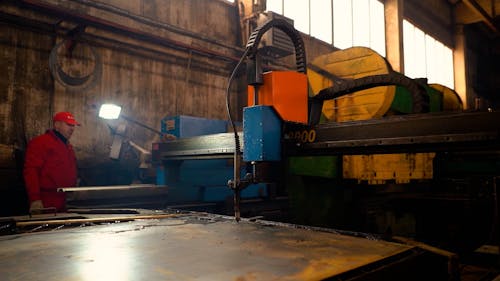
[276,97]
[345,117]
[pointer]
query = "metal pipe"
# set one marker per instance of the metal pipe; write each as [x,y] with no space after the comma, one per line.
[139,148]
[496,198]
[256,95]
[237,185]
[95,220]
[140,124]
[48,28]
[99,23]
[107,187]
[169,27]
[114,44]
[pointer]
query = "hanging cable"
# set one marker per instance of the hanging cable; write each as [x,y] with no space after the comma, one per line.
[237,146]
[251,50]
[234,184]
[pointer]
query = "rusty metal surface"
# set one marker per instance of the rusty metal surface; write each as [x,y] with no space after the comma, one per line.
[191,247]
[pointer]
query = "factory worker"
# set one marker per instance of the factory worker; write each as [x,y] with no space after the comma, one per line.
[50,163]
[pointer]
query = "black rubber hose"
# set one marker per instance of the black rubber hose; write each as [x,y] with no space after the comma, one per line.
[251,51]
[344,87]
[298,43]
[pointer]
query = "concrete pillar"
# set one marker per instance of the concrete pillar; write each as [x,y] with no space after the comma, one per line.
[394,33]
[459,57]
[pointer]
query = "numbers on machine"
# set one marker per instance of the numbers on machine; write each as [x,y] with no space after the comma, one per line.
[303,136]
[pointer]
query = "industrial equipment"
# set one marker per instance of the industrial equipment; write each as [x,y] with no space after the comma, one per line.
[345,121]
[293,137]
[200,181]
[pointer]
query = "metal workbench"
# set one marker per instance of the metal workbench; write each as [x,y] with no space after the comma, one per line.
[199,246]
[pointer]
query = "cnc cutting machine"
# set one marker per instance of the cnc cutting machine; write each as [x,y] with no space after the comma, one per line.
[347,120]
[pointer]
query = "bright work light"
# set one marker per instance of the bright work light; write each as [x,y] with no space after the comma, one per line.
[112,111]
[109,111]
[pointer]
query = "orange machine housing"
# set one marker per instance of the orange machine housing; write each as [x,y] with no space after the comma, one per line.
[286,91]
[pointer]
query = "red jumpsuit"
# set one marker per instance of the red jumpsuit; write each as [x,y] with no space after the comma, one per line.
[50,163]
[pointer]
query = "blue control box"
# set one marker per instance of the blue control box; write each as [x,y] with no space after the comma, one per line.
[262,131]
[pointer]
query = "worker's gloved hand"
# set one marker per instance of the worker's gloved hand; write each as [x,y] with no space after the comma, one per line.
[36,207]
[168,137]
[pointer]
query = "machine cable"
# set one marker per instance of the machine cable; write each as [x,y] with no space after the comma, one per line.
[234,184]
[298,43]
[344,86]
[251,53]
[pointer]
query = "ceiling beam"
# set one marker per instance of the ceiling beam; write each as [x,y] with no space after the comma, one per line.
[478,9]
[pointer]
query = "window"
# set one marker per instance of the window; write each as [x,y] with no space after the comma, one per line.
[359,23]
[377,27]
[275,6]
[299,12]
[345,23]
[321,20]
[342,23]
[426,57]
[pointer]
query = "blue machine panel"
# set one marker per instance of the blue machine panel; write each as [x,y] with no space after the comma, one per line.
[262,134]
[199,180]
[183,126]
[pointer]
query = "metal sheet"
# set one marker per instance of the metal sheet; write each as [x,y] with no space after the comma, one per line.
[194,247]
[118,196]
[108,187]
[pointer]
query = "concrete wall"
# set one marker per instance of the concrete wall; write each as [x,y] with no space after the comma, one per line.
[146,84]
[157,58]
[483,68]
[175,60]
